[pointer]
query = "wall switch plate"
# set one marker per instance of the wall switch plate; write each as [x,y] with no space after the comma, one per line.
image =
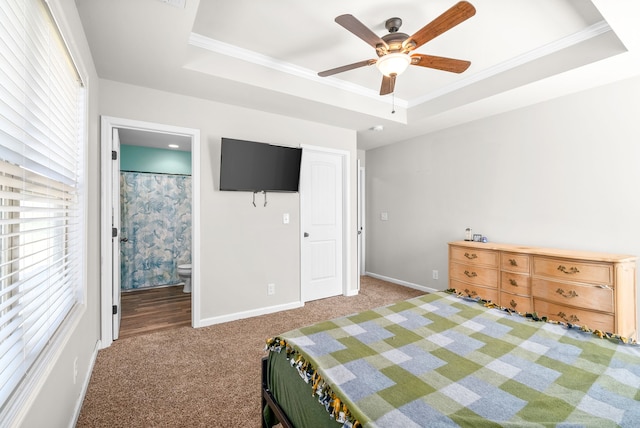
[435,274]
[384,216]
[285,218]
[271,289]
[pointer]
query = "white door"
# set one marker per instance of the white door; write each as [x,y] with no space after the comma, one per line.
[321,201]
[115,225]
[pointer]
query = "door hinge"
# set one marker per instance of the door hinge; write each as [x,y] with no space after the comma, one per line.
[114,309]
[114,232]
[114,155]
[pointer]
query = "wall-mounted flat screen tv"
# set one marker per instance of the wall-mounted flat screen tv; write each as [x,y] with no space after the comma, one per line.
[259,167]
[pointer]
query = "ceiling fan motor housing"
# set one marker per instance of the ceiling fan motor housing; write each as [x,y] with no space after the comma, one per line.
[394,39]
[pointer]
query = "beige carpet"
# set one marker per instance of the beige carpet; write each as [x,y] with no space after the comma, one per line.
[206,377]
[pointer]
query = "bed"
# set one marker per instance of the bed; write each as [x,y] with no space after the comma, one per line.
[445,360]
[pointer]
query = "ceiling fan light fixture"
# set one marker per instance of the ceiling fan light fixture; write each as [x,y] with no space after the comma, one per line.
[393,63]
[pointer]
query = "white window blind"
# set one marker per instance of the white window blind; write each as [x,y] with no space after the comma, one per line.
[41,216]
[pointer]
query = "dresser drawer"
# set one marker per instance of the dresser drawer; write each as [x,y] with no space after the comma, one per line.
[475,291]
[570,270]
[583,318]
[582,296]
[514,262]
[520,304]
[478,275]
[515,283]
[474,256]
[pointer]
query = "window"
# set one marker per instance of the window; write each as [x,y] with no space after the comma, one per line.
[41,205]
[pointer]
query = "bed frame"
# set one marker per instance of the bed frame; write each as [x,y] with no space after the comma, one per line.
[269,400]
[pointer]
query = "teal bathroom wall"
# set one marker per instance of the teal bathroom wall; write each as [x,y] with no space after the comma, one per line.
[147,159]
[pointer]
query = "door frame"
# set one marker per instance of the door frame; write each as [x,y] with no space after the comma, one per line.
[346,220]
[361,221]
[107,124]
[116,223]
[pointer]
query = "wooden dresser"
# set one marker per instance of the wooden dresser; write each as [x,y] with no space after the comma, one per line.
[596,290]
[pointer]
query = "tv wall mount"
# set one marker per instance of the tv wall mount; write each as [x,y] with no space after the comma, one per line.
[265,197]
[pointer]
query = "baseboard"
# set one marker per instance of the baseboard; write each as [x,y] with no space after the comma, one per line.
[85,385]
[248,314]
[403,283]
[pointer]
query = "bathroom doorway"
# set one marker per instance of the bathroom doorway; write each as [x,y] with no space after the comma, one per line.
[155,210]
[149,266]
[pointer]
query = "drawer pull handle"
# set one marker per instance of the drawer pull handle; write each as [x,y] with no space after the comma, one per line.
[571,319]
[513,303]
[513,262]
[572,270]
[568,295]
[513,282]
[470,274]
[605,286]
[471,256]
[471,293]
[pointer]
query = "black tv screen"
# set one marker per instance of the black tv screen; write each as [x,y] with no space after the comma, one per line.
[259,167]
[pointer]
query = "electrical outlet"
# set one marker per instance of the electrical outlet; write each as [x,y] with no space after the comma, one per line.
[435,274]
[271,289]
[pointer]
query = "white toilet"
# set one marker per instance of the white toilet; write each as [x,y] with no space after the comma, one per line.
[184,272]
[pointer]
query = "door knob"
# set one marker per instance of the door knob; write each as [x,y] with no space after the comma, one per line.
[306,235]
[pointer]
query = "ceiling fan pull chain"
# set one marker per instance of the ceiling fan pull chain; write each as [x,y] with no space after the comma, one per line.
[393,103]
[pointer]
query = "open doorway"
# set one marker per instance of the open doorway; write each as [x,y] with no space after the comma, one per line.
[155,192]
[117,134]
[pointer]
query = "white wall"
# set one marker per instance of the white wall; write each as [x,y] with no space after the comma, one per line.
[243,248]
[564,173]
[58,398]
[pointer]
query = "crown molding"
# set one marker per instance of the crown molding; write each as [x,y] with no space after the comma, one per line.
[588,33]
[232,51]
[236,52]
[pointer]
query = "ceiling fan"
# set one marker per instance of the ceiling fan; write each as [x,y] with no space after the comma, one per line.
[394,49]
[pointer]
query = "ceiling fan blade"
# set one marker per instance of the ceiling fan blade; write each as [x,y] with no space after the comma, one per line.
[388,84]
[458,13]
[347,67]
[352,24]
[440,63]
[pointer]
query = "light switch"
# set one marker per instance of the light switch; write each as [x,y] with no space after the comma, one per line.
[384,216]
[285,218]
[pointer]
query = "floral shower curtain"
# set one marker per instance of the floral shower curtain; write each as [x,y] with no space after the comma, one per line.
[156,222]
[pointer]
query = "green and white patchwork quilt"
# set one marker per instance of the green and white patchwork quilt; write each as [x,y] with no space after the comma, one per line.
[441,360]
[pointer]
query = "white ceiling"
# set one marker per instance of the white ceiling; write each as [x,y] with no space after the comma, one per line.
[157,140]
[265,55]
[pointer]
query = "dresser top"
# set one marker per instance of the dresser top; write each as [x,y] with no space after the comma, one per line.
[550,252]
